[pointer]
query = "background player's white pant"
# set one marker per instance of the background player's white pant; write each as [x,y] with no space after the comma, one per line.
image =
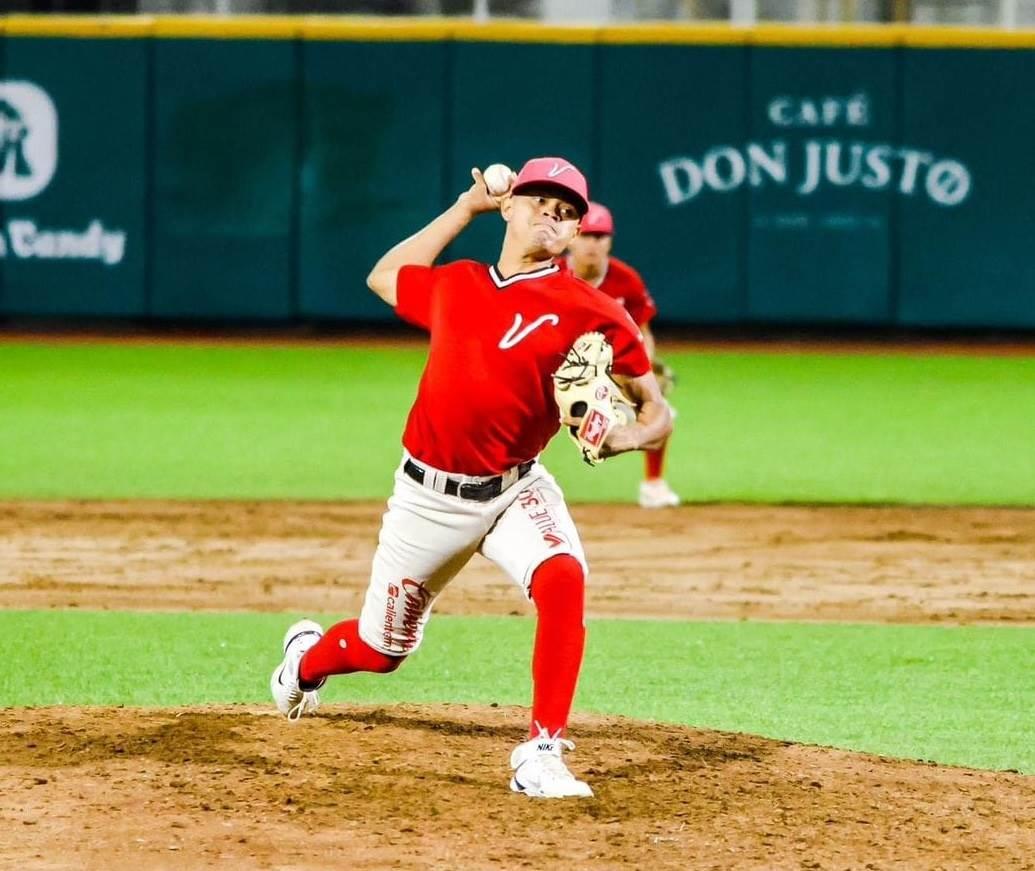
[427,537]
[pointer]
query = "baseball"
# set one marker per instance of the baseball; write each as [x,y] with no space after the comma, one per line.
[498,178]
[624,407]
[625,410]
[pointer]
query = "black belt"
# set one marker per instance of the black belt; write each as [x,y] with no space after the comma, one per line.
[484,491]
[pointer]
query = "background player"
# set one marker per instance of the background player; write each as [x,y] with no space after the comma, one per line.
[589,257]
[470,480]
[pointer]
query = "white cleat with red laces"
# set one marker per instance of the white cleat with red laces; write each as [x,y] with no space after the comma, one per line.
[291,699]
[540,772]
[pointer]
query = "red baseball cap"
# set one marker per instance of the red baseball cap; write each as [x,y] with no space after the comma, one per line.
[555,172]
[597,220]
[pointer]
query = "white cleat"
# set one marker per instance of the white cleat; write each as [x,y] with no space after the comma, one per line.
[291,699]
[656,493]
[539,771]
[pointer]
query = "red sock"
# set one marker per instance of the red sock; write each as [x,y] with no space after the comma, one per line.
[342,651]
[558,590]
[656,461]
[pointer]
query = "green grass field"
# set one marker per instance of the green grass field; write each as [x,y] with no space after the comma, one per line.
[98,421]
[960,695]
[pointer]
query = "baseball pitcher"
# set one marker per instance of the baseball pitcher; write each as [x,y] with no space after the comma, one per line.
[517,349]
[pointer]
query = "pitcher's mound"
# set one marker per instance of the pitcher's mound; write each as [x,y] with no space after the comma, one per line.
[426,787]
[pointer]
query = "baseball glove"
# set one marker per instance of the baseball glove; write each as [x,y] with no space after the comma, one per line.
[583,388]
[666,377]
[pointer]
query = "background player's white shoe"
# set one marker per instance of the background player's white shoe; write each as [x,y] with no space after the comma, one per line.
[540,772]
[291,699]
[656,493]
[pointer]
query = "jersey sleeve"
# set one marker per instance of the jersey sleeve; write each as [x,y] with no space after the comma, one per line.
[630,355]
[638,301]
[413,290]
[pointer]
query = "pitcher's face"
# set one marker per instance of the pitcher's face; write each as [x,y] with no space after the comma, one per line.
[541,221]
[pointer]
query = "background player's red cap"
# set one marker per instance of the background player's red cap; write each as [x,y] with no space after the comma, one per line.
[555,172]
[597,220]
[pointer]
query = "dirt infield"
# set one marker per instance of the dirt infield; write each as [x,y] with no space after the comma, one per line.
[698,562]
[425,787]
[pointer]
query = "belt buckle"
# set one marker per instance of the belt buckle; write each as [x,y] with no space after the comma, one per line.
[483,491]
[478,492]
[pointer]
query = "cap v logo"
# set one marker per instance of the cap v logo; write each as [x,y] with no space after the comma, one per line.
[557,169]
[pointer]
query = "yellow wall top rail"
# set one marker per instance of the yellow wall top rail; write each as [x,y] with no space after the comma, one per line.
[369,29]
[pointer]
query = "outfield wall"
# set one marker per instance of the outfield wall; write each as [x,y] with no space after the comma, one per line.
[256,168]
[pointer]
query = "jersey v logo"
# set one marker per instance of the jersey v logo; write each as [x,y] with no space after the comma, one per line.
[557,169]
[516,334]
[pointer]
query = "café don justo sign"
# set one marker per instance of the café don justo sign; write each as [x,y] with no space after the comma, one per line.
[28,165]
[817,162]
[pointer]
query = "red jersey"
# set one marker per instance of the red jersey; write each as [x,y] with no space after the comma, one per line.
[485,401]
[624,284]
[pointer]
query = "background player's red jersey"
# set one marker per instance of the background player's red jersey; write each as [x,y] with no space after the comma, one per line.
[485,401]
[624,284]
